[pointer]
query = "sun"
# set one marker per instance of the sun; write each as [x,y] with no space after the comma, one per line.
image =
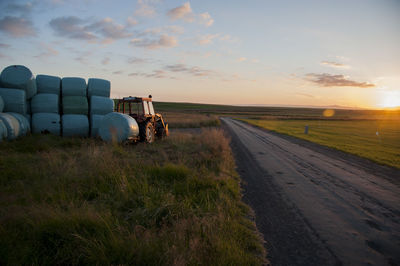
[390,99]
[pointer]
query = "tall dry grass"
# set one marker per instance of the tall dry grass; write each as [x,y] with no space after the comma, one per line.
[73,201]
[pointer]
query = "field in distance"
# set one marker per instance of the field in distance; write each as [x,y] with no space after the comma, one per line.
[372,134]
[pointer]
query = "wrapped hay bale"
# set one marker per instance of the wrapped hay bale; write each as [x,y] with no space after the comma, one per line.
[29,117]
[75,105]
[28,107]
[73,87]
[95,122]
[24,124]
[19,77]
[1,104]
[46,123]
[101,105]
[48,84]
[12,125]
[14,100]
[75,125]
[45,103]
[98,87]
[3,131]
[117,127]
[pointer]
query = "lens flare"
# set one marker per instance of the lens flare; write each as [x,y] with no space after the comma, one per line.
[328,113]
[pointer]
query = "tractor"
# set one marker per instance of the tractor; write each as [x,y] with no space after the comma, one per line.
[150,124]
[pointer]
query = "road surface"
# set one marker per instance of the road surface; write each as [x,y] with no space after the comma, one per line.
[317,206]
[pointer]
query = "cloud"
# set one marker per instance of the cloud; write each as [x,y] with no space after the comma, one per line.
[242,59]
[205,19]
[207,39]
[185,13]
[305,95]
[131,21]
[77,28]
[194,71]
[155,74]
[105,61]
[136,60]
[48,51]
[145,9]
[17,27]
[118,72]
[22,9]
[334,64]
[71,27]
[328,80]
[163,41]
[4,45]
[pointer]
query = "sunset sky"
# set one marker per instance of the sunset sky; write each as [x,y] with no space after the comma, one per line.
[314,53]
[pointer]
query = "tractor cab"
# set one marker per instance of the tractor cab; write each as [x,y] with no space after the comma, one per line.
[141,109]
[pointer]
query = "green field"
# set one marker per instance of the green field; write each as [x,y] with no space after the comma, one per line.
[378,140]
[71,201]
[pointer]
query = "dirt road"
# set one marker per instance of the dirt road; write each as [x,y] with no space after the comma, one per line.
[317,206]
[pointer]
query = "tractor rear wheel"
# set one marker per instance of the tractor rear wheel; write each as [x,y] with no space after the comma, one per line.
[147,132]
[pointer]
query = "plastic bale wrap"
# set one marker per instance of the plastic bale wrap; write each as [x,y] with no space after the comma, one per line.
[46,123]
[95,122]
[1,104]
[98,87]
[45,103]
[24,125]
[14,100]
[75,105]
[19,77]
[117,127]
[75,125]
[101,105]
[29,117]
[48,84]
[28,107]
[73,87]
[12,125]
[3,131]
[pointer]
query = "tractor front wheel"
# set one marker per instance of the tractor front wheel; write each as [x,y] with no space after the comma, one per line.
[147,132]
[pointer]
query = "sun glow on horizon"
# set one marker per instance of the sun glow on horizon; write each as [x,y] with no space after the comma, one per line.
[390,99]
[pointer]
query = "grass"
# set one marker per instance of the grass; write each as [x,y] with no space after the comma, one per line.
[356,136]
[190,120]
[81,201]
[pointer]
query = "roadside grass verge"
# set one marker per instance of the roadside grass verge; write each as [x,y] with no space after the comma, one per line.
[378,140]
[81,201]
[190,120]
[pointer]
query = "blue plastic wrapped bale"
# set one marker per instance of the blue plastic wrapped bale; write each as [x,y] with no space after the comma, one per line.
[29,117]
[98,87]
[95,122]
[45,103]
[12,125]
[75,105]
[1,104]
[28,107]
[46,123]
[75,125]
[3,131]
[48,84]
[24,125]
[101,105]
[117,127]
[19,77]
[73,87]
[14,100]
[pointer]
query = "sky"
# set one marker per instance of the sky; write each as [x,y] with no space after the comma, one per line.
[256,52]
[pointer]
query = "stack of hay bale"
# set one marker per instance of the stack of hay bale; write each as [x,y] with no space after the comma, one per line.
[100,103]
[17,87]
[58,106]
[45,105]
